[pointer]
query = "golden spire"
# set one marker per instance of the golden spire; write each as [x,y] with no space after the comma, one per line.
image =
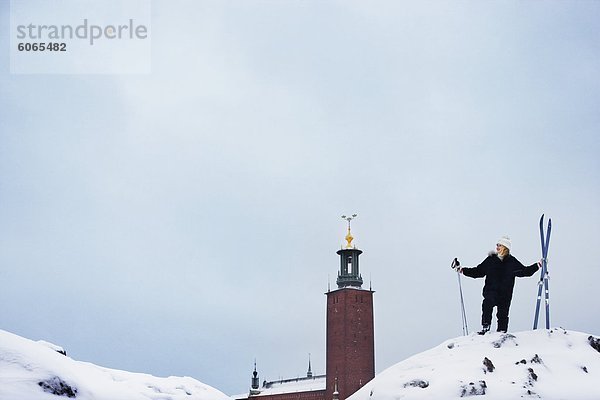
[349,238]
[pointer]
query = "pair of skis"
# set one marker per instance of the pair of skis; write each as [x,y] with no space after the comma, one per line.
[543,283]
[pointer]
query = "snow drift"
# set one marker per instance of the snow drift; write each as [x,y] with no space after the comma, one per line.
[542,364]
[40,371]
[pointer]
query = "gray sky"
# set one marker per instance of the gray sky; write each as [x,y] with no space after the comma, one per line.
[185,222]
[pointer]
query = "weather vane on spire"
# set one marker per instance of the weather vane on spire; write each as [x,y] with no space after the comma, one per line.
[349,237]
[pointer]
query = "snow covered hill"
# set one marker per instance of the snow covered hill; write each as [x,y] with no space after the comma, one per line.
[540,364]
[38,371]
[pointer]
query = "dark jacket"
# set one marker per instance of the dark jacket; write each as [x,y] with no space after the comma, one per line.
[500,274]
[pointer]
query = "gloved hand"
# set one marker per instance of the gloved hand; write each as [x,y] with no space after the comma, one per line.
[455,264]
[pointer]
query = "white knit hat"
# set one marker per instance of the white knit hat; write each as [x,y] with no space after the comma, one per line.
[504,241]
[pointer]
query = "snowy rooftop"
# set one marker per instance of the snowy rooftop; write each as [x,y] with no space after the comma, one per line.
[302,384]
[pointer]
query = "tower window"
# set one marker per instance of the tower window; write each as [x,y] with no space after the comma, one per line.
[349,265]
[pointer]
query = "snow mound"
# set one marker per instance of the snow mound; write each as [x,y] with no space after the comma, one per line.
[38,371]
[542,364]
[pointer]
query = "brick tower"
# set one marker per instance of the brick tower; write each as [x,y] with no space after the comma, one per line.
[350,335]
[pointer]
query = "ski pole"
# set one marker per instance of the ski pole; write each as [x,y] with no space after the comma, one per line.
[465,328]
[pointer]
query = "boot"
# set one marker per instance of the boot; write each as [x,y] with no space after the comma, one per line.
[486,329]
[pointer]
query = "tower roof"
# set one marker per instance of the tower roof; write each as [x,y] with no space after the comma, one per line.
[349,273]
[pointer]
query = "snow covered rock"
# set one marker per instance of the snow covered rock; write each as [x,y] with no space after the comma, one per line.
[595,343]
[58,387]
[54,347]
[543,364]
[38,371]
[473,389]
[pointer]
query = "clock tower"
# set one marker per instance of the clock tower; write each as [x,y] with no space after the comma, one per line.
[350,359]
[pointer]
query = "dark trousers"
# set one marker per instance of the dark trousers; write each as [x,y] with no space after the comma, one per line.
[502,305]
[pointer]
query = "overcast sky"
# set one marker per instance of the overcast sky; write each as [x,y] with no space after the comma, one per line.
[185,222]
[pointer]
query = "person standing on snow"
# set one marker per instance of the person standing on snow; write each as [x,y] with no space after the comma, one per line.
[500,269]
